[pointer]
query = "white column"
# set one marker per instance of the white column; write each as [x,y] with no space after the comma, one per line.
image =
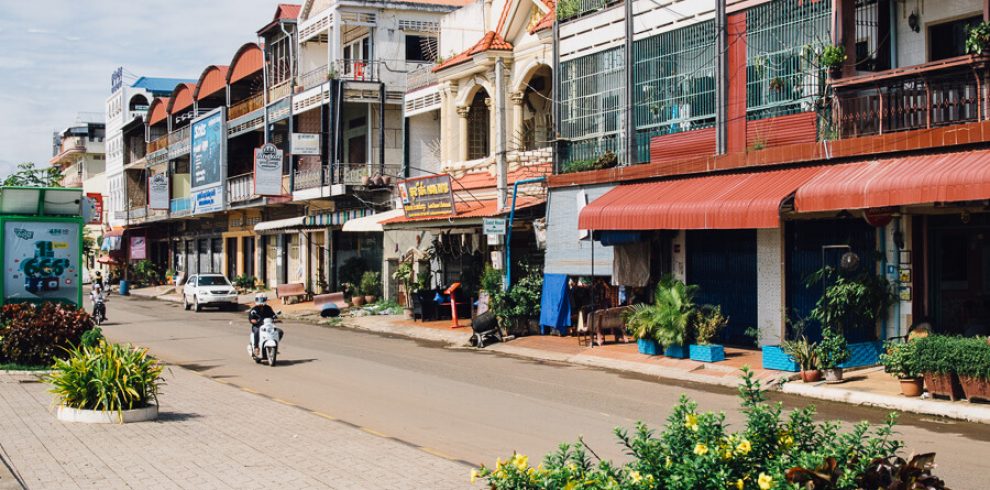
[462,132]
[516,135]
[770,305]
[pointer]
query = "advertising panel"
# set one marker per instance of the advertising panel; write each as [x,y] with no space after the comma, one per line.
[427,196]
[207,162]
[305,144]
[41,260]
[138,249]
[268,170]
[92,210]
[207,201]
[158,191]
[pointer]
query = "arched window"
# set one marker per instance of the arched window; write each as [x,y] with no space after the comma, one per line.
[138,103]
[478,126]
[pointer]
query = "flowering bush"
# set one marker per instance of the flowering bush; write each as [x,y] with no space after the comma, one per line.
[697,451]
[34,335]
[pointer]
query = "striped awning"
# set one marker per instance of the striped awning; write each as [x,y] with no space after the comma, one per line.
[337,218]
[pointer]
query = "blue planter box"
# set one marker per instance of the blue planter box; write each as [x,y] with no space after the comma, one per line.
[676,351]
[648,347]
[775,358]
[863,354]
[707,353]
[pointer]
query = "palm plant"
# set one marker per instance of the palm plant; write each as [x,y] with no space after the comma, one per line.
[668,318]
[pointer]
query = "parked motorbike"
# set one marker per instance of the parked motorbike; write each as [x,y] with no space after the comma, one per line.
[269,337]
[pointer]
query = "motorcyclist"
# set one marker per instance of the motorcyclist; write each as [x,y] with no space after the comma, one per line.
[96,295]
[257,315]
[97,279]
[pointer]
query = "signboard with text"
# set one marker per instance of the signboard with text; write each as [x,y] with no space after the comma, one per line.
[207,162]
[138,249]
[158,195]
[494,226]
[427,196]
[305,144]
[42,260]
[268,170]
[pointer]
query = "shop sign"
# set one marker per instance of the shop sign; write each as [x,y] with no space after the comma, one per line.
[117,79]
[138,249]
[268,170]
[305,144]
[207,200]
[92,209]
[158,195]
[427,196]
[207,151]
[494,226]
[42,261]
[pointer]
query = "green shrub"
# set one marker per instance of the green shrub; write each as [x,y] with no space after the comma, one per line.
[971,355]
[697,451]
[491,280]
[899,359]
[833,56]
[371,283]
[91,337]
[708,322]
[244,281]
[36,334]
[522,300]
[145,272]
[108,377]
[978,38]
[935,354]
[668,319]
[832,350]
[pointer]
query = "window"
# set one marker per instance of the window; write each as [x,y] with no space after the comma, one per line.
[591,102]
[948,40]
[478,126]
[421,48]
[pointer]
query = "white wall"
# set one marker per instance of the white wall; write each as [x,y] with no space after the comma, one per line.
[770,309]
[424,138]
[461,29]
[912,47]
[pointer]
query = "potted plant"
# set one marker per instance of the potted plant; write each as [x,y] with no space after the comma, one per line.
[832,351]
[805,353]
[972,359]
[404,275]
[351,292]
[708,322]
[370,286]
[978,38]
[898,359]
[674,302]
[642,324]
[852,303]
[935,360]
[832,58]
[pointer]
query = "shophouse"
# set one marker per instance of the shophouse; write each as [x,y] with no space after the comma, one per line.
[78,152]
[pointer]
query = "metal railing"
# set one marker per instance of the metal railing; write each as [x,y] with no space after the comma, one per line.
[355,174]
[280,91]
[246,106]
[241,188]
[311,178]
[420,76]
[157,214]
[160,143]
[179,142]
[313,77]
[357,70]
[180,206]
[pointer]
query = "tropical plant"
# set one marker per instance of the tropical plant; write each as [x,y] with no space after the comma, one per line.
[935,354]
[27,175]
[697,450]
[803,351]
[491,280]
[371,283]
[833,56]
[522,300]
[245,281]
[404,275]
[832,350]
[107,377]
[708,322]
[91,337]
[668,319]
[850,302]
[145,272]
[36,334]
[898,359]
[352,269]
[978,38]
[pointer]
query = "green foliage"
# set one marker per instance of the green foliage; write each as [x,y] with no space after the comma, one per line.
[36,334]
[833,56]
[978,38]
[935,354]
[899,359]
[108,377]
[851,303]
[708,322]
[245,281]
[404,275]
[698,451]
[145,272]
[491,280]
[91,337]
[832,350]
[972,357]
[371,283]
[578,166]
[804,352]
[27,175]
[352,269]
[668,319]
[522,300]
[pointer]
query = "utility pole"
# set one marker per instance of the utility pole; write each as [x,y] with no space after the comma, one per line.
[722,77]
[501,170]
[630,130]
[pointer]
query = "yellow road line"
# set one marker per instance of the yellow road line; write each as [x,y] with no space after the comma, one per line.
[436,453]
[249,390]
[373,432]
[321,414]
[284,402]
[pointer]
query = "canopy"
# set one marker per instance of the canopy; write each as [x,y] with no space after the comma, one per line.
[371,223]
[280,224]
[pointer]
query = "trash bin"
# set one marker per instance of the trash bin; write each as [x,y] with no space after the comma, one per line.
[124,288]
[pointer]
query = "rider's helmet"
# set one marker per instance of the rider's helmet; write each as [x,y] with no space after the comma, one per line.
[97,288]
[260,298]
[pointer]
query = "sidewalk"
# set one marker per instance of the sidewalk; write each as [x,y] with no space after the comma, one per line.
[209,435]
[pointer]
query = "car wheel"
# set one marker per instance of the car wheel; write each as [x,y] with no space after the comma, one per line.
[185,302]
[197,305]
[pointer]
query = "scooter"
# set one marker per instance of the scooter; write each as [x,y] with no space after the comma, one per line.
[268,338]
[99,309]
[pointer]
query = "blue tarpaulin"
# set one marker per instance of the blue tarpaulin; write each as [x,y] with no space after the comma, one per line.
[555,307]
[617,237]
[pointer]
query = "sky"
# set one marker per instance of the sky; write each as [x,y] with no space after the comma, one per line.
[58,56]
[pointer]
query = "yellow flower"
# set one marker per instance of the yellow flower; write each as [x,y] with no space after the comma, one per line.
[701,449]
[691,421]
[765,481]
[498,463]
[570,485]
[474,476]
[572,466]
[727,455]
[744,447]
[787,441]
[520,462]
[668,462]
[635,477]
[740,484]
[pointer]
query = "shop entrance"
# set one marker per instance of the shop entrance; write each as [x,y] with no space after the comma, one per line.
[959,259]
[723,265]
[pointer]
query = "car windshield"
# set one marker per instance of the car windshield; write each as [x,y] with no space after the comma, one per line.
[213,281]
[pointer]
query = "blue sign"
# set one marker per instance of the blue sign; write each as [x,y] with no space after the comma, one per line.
[117,79]
[207,151]
[207,200]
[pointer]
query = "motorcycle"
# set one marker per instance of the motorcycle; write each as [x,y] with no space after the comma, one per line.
[268,338]
[99,309]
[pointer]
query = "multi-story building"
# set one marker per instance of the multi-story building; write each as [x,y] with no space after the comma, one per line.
[78,152]
[712,142]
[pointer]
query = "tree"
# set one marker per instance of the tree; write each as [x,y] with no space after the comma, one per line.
[27,175]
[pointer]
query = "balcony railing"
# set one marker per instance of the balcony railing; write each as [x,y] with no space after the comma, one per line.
[280,91]
[246,106]
[420,76]
[137,213]
[355,174]
[309,179]
[180,206]
[313,78]
[179,142]
[158,144]
[157,214]
[357,70]
[241,188]
[923,96]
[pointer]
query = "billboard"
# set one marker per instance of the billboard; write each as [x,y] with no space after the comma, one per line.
[306,144]
[268,170]
[207,157]
[138,249]
[158,195]
[42,260]
[427,196]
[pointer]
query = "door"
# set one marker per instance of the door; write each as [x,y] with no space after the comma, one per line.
[192,258]
[248,256]
[203,245]
[959,258]
[231,253]
[722,263]
[216,255]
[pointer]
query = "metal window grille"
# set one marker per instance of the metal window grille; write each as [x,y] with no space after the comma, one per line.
[478,125]
[783,39]
[868,57]
[592,101]
[674,90]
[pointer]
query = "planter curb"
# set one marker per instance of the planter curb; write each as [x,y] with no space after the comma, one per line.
[76,415]
[947,409]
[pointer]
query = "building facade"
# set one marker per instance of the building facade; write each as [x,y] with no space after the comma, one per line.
[79,154]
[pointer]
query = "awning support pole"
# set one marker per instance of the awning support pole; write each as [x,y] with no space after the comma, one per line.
[508,231]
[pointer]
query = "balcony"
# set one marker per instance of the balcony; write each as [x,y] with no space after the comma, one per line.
[280,91]
[179,142]
[241,188]
[180,206]
[157,144]
[925,96]
[353,174]
[157,214]
[420,76]
[313,78]
[246,106]
[357,70]
[311,179]
[137,214]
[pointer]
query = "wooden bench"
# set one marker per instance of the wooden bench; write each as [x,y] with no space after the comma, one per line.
[336,299]
[295,290]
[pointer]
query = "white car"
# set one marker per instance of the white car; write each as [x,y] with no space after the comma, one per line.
[208,290]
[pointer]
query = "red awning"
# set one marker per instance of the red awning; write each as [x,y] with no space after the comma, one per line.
[918,179]
[728,201]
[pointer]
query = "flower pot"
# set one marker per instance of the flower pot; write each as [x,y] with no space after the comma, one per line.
[833,375]
[975,387]
[649,347]
[357,300]
[943,384]
[775,358]
[707,352]
[369,298]
[912,386]
[69,414]
[676,351]
[811,376]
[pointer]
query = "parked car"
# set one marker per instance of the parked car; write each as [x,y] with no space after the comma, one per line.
[208,290]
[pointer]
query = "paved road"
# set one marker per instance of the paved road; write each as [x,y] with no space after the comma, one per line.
[472,405]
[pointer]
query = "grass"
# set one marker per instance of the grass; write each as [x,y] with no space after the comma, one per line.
[13,366]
